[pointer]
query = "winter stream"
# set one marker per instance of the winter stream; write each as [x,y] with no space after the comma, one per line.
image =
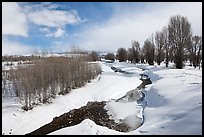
[123,114]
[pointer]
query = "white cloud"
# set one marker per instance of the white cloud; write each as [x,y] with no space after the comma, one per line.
[76,35]
[53,18]
[15,48]
[16,18]
[138,24]
[44,29]
[47,16]
[13,20]
[58,33]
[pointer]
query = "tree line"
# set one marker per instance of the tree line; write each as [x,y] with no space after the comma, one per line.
[174,43]
[47,77]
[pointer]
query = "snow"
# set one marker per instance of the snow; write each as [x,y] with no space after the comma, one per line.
[110,86]
[14,64]
[87,127]
[174,103]
[118,114]
[9,66]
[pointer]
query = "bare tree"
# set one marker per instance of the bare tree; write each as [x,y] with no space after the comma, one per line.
[110,56]
[121,54]
[152,40]
[136,51]
[74,49]
[44,52]
[159,40]
[130,54]
[148,50]
[199,53]
[167,47]
[179,37]
[93,56]
[194,50]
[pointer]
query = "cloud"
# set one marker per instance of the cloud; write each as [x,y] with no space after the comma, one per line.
[44,29]
[47,16]
[127,23]
[14,21]
[17,18]
[138,23]
[15,48]
[53,18]
[58,33]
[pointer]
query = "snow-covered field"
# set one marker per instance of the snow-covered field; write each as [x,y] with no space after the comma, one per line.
[174,102]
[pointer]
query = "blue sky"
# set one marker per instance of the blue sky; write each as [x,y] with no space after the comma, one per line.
[100,26]
[89,12]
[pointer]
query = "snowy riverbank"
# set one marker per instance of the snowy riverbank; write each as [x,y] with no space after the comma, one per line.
[174,102]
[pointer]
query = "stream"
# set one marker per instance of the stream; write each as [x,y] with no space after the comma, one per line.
[97,112]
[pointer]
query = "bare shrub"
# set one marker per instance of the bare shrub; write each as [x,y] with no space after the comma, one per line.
[41,82]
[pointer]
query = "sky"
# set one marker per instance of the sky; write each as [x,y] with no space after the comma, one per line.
[28,27]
